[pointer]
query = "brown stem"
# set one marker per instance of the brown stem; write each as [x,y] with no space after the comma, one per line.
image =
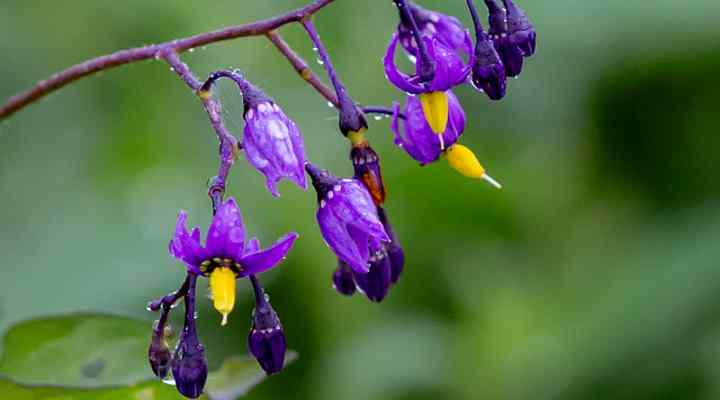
[89,67]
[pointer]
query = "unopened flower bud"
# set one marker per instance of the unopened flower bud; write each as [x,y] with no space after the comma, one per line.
[266,340]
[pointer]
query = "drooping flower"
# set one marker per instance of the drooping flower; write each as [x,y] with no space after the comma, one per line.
[266,340]
[189,366]
[347,217]
[450,71]
[447,29]
[225,255]
[272,141]
[520,30]
[510,54]
[418,139]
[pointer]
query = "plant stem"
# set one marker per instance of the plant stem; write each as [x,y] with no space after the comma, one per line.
[89,67]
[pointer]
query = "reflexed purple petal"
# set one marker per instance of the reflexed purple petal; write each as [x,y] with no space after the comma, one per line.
[397,262]
[226,235]
[446,29]
[393,74]
[260,261]
[450,69]
[400,140]
[252,246]
[274,145]
[353,205]
[186,247]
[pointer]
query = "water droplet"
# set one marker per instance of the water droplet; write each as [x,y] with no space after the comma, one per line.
[315,48]
[195,315]
[321,62]
[191,49]
[330,104]
[172,69]
[267,297]
[378,117]
[148,308]
[169,381]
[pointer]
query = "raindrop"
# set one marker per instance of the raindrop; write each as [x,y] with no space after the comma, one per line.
[378,117]
[315,48]
[172,69]
[321,62]
[195,315]
[267,297]
[191,49]
[169,381]
[330,104]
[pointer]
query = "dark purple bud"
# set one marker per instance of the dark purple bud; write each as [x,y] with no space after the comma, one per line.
[520,30]
[159,354]
[446,29]
[366,164]
[394,250]
[266,340]
[343,280]
[510,54]
[189,366]
[488,71]
[351,117]
[397,262]
[375,284]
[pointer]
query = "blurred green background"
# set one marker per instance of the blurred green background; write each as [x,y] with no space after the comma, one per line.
[594,274]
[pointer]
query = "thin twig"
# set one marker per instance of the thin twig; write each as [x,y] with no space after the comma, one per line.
[89,67]
[302,67]
[228,143]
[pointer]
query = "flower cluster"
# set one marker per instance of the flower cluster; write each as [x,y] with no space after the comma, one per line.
[444,57]
[351,212]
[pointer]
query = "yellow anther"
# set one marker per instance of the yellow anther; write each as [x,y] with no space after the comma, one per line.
[204,94]
[222,288]
[357,137]
[435,108]
[463,160]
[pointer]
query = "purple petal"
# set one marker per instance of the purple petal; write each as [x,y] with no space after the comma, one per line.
[263,260]
[354,205]
[226,235]
[338,239]
[393,74]
[450,69]
[274,145]
[186,247]
[252,246]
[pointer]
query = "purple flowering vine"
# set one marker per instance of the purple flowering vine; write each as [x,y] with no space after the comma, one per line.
[352,214]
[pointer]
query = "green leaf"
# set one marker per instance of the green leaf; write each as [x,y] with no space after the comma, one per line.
[237,376]
[147,391]
[79,350]
[87,357]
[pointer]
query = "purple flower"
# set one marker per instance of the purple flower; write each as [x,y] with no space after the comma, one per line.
[189,366]
[488,71]
[419,140]
[366,165]
[446,29]
[450,69]
[343,280]
[266,340]
[225,256]
[274,145]
[510,54]
[375,283]
[520,30]
[347,217]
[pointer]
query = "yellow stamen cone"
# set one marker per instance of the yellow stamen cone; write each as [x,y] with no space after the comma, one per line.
[222,288]
[463,160]
[435,108]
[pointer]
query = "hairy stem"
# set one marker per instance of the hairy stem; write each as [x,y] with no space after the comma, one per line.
[89,67]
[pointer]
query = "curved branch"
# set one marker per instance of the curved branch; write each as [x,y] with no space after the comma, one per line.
[89,67]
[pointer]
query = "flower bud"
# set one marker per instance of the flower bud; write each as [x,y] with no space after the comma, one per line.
[366,164]
[159,353]
[510,54]
[520,30]
[266,340]
[488,71]
[343,281]
[189,366]
[375,284]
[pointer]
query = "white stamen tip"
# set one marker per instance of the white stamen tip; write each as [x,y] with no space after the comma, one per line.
[489,179]
[224,320]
